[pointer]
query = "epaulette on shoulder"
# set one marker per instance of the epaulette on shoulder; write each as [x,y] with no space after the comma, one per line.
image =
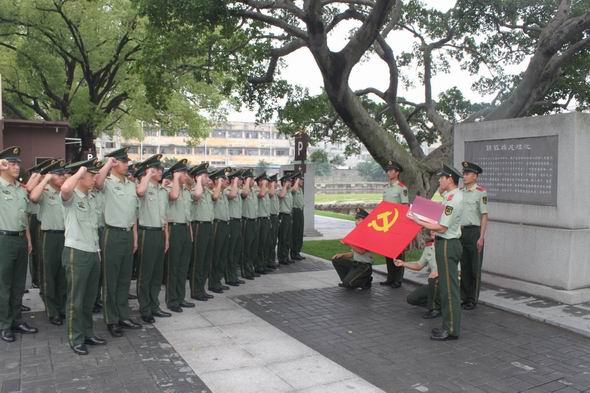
[450,197]
[402,184]
[480,189]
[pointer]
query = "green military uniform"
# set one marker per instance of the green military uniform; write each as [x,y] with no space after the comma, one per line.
[202,216]
[263,213]
[235,235]
[448,253]
[151,241]
[13,243]
[99,203]
[395,192]
[475,205]
[250,232]
[298,223]
[220,238]
[179,251]
[286,225]
[427,295]
[274,227]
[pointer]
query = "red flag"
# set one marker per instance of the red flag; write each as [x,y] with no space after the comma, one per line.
[386,231]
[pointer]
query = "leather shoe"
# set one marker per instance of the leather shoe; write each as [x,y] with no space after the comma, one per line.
[272,267]
[249,277]
[24,328]
[396,284]
[175,308]
[201,298]
[283,263]
[241,281]
[468,306]
[161,314]
[148,319]
[233,283]
[208,295]
[115,330]
[442,335]
[80,349]
[290,261]
[25,308]
[225,287]
[386,283]
[431,314]
[256,274]
[95,340]
[129,324]
[260,271]
[187,305]
[57,321]
[216,290]
[131,297]
[7,335]
[96,309]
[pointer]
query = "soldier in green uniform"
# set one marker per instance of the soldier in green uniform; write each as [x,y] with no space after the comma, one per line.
[234,200]
[80,257]
[179,251]
[98,197]
[120,240]
[202,225]
[473,229]
[286,225]
[448,252]
[249,226]
[51,215]
[263,224]
[298,220]
[395,192]
[153,237]
[15,243]
[220,230]
[274,222]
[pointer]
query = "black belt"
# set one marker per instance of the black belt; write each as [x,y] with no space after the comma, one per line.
[469,226]
[217,220]
[12,233]
[248,219]
[174,224]
[264,218]
[118,228]
[150,228]
[274,215]
[201,222]
[297,208]
[284,214]
[52,231]
[235,219]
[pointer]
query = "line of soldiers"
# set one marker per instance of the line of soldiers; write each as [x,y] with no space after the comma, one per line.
[210,226]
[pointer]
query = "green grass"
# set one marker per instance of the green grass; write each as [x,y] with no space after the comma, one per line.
[327,248]
[341,216]
[331,198]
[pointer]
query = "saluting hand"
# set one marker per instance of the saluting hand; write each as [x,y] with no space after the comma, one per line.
[3,165]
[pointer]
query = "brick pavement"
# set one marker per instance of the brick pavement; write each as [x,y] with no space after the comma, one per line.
[378,336]
[307,265]
[140,361]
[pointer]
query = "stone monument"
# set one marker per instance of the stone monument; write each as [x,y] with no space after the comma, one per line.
[536,175]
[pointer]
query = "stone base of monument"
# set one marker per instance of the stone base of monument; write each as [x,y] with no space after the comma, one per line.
[536,173]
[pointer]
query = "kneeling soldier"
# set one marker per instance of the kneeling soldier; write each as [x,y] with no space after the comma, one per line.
[81,258]
[355,268]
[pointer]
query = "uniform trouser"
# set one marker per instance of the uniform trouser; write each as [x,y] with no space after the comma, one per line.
[273,239]
[99,291]
[35,257]
[220,250]
[470,264]
[284,237]
[234,250]
[250,236]
[117,267]
[448,252]
[53,282]
[263,239]
[353,274]
[202,252]
[177,262]
[82,271]
[394,273]
[13,275]
[426,295]
[297,242]
[150,268]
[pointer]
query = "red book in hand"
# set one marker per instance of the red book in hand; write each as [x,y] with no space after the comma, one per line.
[427,210]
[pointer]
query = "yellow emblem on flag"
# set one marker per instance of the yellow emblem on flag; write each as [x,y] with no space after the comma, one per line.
[386,223]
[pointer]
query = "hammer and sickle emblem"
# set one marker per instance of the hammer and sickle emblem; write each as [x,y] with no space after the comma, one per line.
[386,223]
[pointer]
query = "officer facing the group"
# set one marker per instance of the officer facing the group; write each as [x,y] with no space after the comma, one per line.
[120,240]
[395,192]
[220,230]
[51,215]
[15,243]
[473,229]
[153,237]
[81,257]
[298,219]
[448,252]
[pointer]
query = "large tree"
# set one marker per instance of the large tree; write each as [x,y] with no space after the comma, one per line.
[551,37]
[88,62]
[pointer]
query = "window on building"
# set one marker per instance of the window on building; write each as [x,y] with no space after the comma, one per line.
[217,151]
[109,145]
[235,151]
[265,152]
[235,134]
[183,150]
[217,163]
[150,131]
[182,133]
[264,135]
[252,152]
[218,133]
[167,149]
[149,150]
[200,150]
[133,149]
[251,134]
[282,152]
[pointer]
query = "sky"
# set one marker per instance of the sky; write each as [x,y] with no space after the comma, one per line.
[301,69]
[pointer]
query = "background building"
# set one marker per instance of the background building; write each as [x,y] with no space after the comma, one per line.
[232,144]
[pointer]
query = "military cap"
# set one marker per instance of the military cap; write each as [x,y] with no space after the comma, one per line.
[297,175]
[199,169]
[167,174]
[248,172]
[273,178]
[152,162]
[393,165]
[56,166]
[39,167]
[235,173]
[119,154]
[359,214]
[261,176]
[11,154]
[450,171]
[92,165]
[286,176]
[218,173]
[471,167]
